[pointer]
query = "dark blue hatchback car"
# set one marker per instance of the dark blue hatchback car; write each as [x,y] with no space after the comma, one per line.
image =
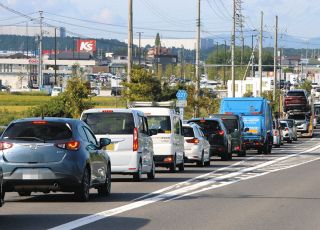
[54,154]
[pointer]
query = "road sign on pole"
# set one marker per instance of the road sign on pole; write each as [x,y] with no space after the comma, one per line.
[182,95]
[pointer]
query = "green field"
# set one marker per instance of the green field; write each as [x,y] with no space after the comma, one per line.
[15,106]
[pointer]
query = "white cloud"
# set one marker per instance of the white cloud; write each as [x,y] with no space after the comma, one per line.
[105,15]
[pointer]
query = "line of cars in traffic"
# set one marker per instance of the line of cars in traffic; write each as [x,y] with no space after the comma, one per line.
[73,155]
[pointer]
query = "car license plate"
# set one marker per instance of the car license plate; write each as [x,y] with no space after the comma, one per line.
[110,147]
[30,174]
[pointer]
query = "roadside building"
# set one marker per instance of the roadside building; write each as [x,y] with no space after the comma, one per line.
[251,84]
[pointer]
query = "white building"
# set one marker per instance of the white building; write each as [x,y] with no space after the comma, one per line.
[19,73]
[250,85]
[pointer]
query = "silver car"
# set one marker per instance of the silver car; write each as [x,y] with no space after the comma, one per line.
[293,126]
[54,154]
[1,187]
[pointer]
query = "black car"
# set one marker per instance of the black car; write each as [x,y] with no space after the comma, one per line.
[54,154]
[217,135]
[235,127]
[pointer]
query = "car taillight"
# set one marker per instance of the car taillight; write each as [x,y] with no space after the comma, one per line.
[135,140]
[71,145]
[5,145]
[193,141]
[286,129]
[220,132]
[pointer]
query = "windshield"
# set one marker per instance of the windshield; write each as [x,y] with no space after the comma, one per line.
[38,131]
[161,123]
[188,132]
[230,124]
[297,117]
[110,123]
[283,125]
[208,126]
[295,93]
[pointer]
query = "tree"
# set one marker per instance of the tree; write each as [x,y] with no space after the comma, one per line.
[305,85]
[143,87]
[157,42]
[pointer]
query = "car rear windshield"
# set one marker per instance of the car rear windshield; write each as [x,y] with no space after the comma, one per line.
[110,123]
[161,123]
[188,132]
[208,126]
[38,131]
[230,124]
[297,117]
[290,123]
[283,125]
[295,93]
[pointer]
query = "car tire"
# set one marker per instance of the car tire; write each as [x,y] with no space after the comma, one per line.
[152,174]
[181,165]
[201,163]
[173,166]
[137,175]
[105,188]
[24,193]
[83,192]
[242,153]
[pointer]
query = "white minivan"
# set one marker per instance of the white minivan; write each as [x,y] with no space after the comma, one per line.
[131,148]
[168,143]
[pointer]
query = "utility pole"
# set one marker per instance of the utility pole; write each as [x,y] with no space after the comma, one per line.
[27,33]
[40,52]
[232,48]
[225,63]
[139,51]
[129,43]
[252,62]
[275,60]
[260,54]
[55,56]
[182,74]
[197,63]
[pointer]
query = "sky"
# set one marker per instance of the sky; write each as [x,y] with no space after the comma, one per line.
[171,18]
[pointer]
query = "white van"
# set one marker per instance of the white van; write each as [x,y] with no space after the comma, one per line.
[131,148]
[56,91]
[168,143]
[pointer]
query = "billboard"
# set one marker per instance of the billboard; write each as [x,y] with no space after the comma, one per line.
[86,45]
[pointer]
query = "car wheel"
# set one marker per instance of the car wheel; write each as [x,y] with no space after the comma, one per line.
[82,193]
[137,175]
[201,163]
[181,165]
[152,174]
[105,189]
[24,193]
[173,166]
[242,153]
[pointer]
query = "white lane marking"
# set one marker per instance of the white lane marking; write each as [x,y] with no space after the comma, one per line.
[235,174]
[101,215]
[187,182]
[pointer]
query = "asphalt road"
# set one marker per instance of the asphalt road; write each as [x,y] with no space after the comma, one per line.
[276,191]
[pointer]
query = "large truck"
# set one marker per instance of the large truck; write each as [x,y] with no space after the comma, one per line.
[257,118]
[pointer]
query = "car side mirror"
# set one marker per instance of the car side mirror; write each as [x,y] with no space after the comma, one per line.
[246,130]
[104,142]
[153,132]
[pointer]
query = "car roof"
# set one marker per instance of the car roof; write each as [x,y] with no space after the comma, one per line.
[204,118]
[50,119]
[156,111]
[115,110]
[232,116]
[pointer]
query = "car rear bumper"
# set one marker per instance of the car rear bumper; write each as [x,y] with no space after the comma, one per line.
[217,150]
[163,160]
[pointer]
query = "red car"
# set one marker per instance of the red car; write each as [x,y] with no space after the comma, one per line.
[296,99]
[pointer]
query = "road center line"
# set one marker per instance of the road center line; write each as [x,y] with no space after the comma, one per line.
[175,193]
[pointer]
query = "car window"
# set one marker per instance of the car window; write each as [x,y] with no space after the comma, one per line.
[297,117]
[208,126]
[283,125]
[161,123]
[38,130]
[188,131]
[296,93]
[110,123]
[90,136]
[230,124]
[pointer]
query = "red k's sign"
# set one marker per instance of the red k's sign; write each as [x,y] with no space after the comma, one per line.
[86,45]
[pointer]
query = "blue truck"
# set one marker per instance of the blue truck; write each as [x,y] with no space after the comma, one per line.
[257,118]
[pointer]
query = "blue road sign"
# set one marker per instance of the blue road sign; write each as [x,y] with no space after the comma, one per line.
[182,95]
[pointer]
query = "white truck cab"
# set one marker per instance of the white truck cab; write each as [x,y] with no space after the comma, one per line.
[168,143]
